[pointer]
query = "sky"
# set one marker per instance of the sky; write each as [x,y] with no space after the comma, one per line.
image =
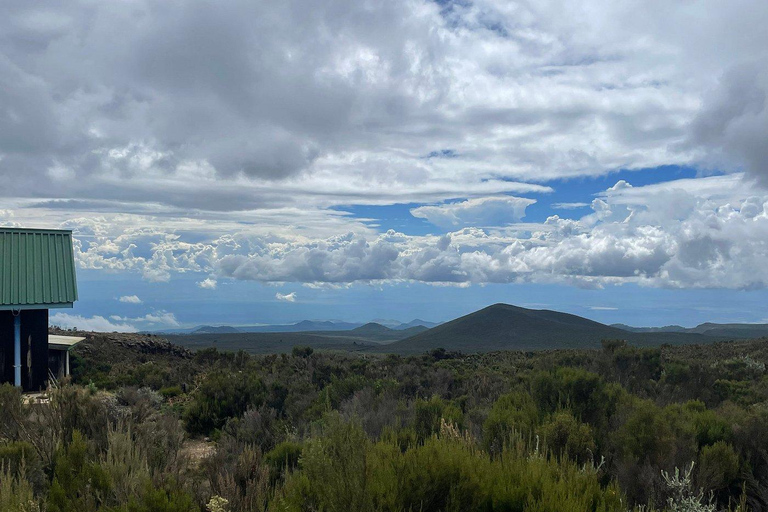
[249,162]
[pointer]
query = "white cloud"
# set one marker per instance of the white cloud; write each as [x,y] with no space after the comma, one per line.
[483,211]
[94,323]
[130,299]
[704,232]
[350,103]
[569,206]
[603,308]
[288,297]
[153,319]
[656,236]
[207,284]
[169,149]
[159,318]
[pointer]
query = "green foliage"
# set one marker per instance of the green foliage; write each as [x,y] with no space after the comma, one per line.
[222,396]
[440,431]
[584,393]
[79,485]
[12,411]
[343,471]
[160,500]
[708,426]
[513,415]
[302,351]
[171,391]
[284,456]
[428,413]
[645,435]
[16,493]
[566,436]
[718,466]
[14,453]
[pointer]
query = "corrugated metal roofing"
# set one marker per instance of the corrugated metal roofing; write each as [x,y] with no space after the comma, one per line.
[37,268]
[63,342]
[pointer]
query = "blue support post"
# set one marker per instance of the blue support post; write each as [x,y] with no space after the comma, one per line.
[17,349]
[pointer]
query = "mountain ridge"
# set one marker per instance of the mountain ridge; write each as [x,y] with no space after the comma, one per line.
[507,327]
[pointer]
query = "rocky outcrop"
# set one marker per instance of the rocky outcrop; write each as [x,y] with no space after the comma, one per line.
[141,343]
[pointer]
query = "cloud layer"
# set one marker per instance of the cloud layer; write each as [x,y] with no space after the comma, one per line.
[483,211]
[248,106]
[695,233]
[228,139]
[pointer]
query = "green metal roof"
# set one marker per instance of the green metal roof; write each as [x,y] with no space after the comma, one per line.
[37,269]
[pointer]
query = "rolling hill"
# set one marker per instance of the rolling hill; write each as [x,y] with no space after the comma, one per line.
[369,337]
[214,329]
[309,326]
[416,323]
[734,331]
[506,327]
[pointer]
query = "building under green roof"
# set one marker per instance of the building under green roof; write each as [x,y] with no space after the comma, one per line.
[37,269]
[37,273]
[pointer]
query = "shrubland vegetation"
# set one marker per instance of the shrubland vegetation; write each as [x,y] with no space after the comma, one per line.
[616,429]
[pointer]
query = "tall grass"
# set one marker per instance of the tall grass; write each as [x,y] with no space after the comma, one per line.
[343,471]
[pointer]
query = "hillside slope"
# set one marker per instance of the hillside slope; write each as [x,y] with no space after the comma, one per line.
[730,331]
[368,337]
[506,327]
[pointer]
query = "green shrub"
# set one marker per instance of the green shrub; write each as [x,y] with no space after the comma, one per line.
[646,435]
[221,396]
[12,411]
[566,436]
[584,393]
[718,466]
[160,500]
[512,415]
[14,453]
[302,351]
[428,413]
[79,485]
[171,391]
[16,494]
[284,456]
[342,471]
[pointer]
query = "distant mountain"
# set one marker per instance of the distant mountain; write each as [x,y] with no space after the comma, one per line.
[199,329]
[303,326]
[367,337]
[211,329]
[506,327]
[415,323]
[387,322]
[371,328]
[732,331]
[666,328]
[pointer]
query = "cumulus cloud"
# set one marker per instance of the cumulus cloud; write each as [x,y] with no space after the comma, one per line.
[130,299]
[153,319]
[484,211]
[207,284]
[288,297]
[704,232]
[94,323]
[661,235]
